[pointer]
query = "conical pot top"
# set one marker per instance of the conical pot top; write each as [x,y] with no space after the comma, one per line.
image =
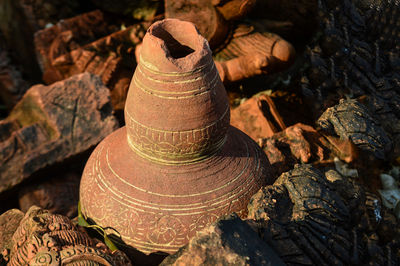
[177,165]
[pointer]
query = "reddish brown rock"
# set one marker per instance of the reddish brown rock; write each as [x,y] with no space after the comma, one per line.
[228,241]
[58,195]
[87,43]
[49,239]
[52,123]
[177,165]
[257,117]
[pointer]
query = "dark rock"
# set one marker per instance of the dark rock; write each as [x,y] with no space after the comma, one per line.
[351,120]
[12,84]
[58,195]
[356,54]
[49,239]
[139,9]
[51,124]
[228,241]
[308,217]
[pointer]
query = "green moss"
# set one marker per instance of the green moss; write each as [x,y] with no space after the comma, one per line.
[27,112]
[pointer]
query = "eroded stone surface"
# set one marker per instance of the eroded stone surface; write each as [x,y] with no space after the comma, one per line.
[357,56]
[228,241]
[49,239]
[314,217]
[52,123]
[351,120]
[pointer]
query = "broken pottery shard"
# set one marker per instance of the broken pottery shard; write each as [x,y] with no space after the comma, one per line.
[177,165]
[89,43]
[58,195]
[351,120]
[308,216]
[52,123]
[303,144]
[228,241]
[257,117]
[51,239]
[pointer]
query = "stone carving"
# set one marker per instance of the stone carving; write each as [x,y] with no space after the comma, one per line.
[51,239]
[177,165]
[52,123]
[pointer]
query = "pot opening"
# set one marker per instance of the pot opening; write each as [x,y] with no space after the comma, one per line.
[178,39]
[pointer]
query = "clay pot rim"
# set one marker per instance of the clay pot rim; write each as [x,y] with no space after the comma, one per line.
[174,46]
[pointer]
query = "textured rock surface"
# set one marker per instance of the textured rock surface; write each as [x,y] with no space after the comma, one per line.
[90,43]
[228,241]
[48,239]
[308,216]
[59,195]
[9,222]
[51,124]
[257,117]
[356,55]
[351,120]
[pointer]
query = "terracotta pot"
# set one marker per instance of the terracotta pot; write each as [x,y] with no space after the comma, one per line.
[177,165]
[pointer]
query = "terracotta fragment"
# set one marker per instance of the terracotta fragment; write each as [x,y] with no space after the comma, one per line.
[50,239]
[228,241]
[177,165]
[303,144]
[257,117]
[87,43]
[52,123]
[240,51]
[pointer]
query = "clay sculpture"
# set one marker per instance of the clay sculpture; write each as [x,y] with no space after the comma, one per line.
[177,165]
[43,238]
